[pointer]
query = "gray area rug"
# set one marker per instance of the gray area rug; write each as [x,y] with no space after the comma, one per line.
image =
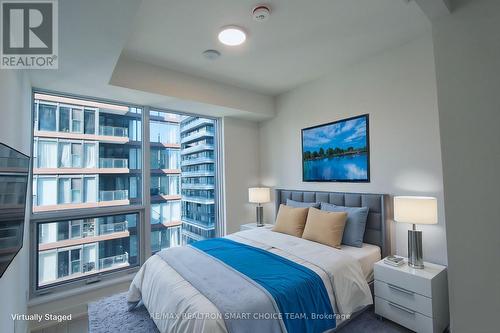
[110,315]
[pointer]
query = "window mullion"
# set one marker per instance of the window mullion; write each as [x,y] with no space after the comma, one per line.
[219,179]
[145,243]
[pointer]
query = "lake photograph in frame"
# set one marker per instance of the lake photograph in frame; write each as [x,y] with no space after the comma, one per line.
[337,151]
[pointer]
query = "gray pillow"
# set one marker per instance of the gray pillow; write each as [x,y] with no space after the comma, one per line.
[354,230]
[299,204]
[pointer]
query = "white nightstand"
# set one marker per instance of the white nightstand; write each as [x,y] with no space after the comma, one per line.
[414,298]
[253,225]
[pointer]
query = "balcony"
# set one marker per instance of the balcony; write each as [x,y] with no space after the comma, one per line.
[199,173]
[197,135]
[206,221]
[199,186]
[200,200]
[197,160]
[109,228]
[196,123]
[110,262]
[113,131]
[197,148]
[164,190]
[113,195]
[105,162]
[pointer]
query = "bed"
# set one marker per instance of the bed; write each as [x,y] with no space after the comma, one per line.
[206,302]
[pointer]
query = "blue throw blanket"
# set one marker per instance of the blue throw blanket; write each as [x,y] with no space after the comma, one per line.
[298,291]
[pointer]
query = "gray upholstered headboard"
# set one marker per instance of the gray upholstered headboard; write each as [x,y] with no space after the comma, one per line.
[377,224]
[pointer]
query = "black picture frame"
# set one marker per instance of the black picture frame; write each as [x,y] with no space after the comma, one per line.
[365,180]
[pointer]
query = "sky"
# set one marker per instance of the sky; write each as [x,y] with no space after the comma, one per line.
[351,133]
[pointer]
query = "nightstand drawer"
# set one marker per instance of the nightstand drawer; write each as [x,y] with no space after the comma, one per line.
[404,316]
[399,276]
[404,297]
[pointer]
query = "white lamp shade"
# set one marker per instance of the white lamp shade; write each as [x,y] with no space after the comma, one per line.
[259,195]
[416,210]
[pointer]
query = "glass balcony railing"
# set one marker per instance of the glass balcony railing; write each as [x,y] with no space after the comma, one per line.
[198,199]
[109,228]
[198,186]
[197,160]
[113,261]
[113,162]
[196,135]
[195,123]
[113,195]
[113,131]
[197,173]
[204,219]
[197,148]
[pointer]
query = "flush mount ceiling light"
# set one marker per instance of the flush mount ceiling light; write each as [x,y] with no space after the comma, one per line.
[232,36]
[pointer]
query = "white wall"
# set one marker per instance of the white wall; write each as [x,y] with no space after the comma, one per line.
[187,93]
[398,90]
[241,167]
[467,51]
[15,97]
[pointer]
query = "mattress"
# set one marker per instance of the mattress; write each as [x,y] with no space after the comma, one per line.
[367,256]
[165,293]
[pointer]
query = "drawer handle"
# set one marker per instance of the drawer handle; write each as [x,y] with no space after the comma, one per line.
[402,308]
[401,289]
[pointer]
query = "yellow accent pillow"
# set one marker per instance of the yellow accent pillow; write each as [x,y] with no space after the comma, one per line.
[291,220]
[325,227]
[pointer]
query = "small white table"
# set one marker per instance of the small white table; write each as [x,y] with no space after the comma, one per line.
[253,225]
[414,298]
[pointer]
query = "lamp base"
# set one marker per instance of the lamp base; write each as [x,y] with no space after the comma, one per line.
[415,254]
[260,215]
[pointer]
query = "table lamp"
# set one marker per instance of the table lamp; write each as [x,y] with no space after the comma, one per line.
[259,195]
[415,210]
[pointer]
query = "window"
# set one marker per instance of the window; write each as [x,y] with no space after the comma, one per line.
[46,117]
[89,153]
[78,248]
[77,119]
[65,160]
[90,189]
[88,176]
[72,188]
[64,191]
[76,155]
[76,229]
[164,127]
[47,154]
[64,119]
[181,147]
[76,190]
[46,191]
[165,185]
[89,121]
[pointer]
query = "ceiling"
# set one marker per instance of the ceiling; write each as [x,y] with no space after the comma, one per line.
[301,41]
[148,52]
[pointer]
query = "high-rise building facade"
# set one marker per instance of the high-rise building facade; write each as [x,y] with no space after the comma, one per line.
[198,179]
[165,189]
[86,155]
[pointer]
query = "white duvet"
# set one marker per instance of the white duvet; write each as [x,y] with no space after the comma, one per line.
[176,306]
